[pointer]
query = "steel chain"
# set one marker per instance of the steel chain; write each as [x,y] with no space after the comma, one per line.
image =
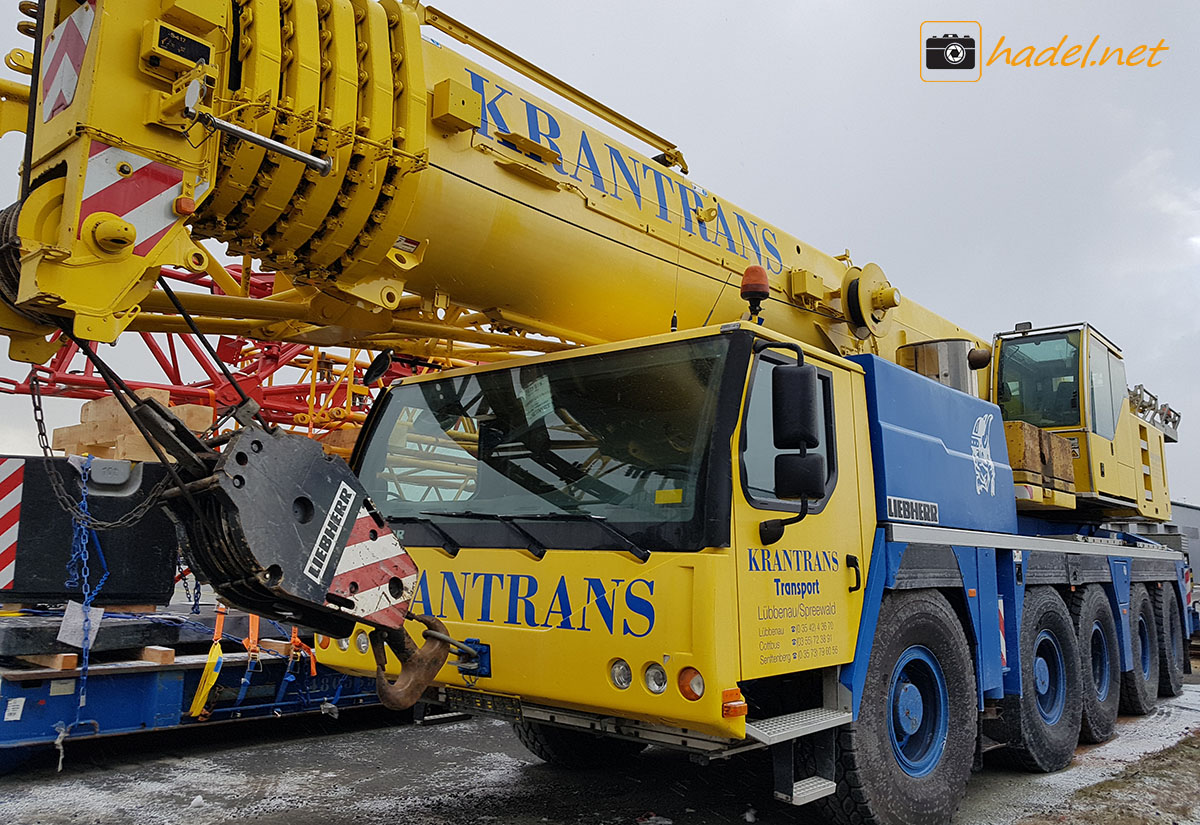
[59,487]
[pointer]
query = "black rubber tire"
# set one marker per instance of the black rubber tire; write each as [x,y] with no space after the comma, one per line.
[872,788]
[567,748]
[1139,692]
[1090,607]
[1172,647]
[1036,744]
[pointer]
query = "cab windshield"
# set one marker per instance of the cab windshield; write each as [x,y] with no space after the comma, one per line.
[622,437]
[1038,379]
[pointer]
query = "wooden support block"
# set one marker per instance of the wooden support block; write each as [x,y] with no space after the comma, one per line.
[132,447]
[1024,446]
[196,417]
[54,661]
[158,654]
[89,432]
[1059,462]
[342,438]
[276,646]
[105,430]
[131,608]
[110,409]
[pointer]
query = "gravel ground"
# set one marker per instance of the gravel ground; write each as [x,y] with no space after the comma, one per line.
[364,767]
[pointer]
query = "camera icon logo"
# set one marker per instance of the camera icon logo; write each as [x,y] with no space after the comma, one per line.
[950,57]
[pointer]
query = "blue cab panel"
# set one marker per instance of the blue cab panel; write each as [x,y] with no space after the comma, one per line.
[940,456]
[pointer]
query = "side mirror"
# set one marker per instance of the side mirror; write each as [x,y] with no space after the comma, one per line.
[796,408]
[378,368]
[800,476]
[796,476]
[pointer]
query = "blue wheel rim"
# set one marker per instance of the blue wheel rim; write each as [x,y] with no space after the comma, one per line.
[1100,662]
[918,711]
[1144,639]
[1050,677]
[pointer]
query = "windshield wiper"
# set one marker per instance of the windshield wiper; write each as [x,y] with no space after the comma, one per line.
[448,544]
[640,553]
[532,544]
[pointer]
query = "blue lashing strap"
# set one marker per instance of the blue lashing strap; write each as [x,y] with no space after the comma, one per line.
[252,666]
[289,676]
[337,692]
[252,658]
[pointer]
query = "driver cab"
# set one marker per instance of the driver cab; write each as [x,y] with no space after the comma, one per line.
[1070,380]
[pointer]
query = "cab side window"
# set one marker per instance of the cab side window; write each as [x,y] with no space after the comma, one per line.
[1108,389]
[758,445]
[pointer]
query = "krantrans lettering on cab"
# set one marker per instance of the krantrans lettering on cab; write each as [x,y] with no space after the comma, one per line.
[671,475]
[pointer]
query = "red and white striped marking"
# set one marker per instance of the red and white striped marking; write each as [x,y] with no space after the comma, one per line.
[1003,644]
[62,59]
[132,187]
[367,567]
[12,478]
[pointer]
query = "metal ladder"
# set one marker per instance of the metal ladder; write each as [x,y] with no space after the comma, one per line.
[819,726]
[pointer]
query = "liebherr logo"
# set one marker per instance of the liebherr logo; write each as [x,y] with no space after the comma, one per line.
[331,530]
[981,454]
[910,509]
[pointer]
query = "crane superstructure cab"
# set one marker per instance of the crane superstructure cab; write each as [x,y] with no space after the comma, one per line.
[1070,381]
[720,540]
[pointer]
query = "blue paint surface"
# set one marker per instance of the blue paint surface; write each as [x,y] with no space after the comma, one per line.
[159,698]
[934,445]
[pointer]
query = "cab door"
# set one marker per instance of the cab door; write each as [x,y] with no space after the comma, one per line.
[800,597]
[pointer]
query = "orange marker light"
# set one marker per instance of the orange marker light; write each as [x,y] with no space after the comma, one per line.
[183,206]
[732,703]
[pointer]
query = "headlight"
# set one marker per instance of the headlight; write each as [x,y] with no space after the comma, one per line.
[691,683]
[656,678]
[361,641]
[343,644]
[621,674]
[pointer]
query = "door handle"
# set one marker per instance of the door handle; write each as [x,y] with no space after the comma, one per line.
[852,563]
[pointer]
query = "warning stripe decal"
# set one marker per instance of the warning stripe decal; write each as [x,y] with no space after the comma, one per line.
[1003,642]
[393,616]
[370,565]
[375,574]
[12,477]
[62,59]
[132,187]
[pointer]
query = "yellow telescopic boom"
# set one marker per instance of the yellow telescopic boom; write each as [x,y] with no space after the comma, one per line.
[399,190]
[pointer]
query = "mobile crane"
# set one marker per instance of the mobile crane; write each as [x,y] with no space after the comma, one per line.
[791,528]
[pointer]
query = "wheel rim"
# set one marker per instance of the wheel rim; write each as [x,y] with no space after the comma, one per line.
[918,711]
[1049,677]
[1144,639]
[1100,663]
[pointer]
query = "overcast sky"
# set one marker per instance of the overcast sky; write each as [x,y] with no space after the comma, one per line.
[1048,194]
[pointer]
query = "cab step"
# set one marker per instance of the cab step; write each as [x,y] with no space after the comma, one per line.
[790,726]
[808,790]
[445,718]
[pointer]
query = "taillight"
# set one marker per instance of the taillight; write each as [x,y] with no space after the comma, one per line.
[691,683]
